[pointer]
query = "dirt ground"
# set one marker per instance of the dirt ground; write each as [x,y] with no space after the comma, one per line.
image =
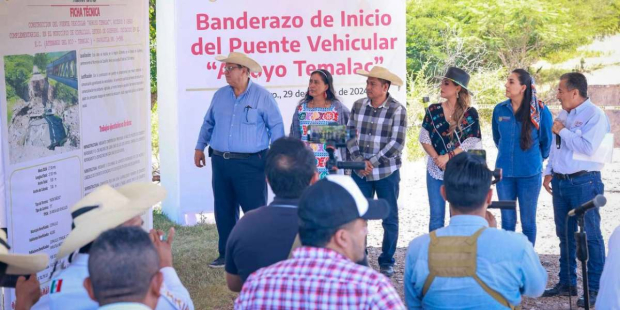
[414,217]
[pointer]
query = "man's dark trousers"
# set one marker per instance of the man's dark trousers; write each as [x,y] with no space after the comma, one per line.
[236,182]
[567,195]
[388,189]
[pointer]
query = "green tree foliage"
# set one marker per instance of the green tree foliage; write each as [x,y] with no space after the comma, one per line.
[41,61]
[64,93]
[512,33]
[17,71]
[153,45]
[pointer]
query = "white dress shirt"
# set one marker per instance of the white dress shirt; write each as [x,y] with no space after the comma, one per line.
[125,306]
[609,292]
[67,290]
[585,128]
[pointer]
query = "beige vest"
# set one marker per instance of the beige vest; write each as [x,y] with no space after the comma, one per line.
[455,257]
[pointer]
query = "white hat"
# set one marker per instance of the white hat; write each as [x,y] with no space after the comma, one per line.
[20,264]
[106,208]
[240,59]
[381,73]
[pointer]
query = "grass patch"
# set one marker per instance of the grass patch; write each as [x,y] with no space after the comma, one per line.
[193,249]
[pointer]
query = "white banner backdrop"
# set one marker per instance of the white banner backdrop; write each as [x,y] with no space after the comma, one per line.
[289,39]
[75,113]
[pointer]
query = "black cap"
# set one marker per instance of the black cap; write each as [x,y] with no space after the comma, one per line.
[458,76]
[336,200]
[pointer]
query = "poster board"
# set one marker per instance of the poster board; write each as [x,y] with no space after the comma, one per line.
[75,113]
[289,39]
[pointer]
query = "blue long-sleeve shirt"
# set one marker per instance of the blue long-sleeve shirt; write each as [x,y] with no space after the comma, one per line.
[514,161]
[506,262]
[586,126]
[243,124]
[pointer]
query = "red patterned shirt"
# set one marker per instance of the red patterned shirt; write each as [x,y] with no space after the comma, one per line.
[317,278]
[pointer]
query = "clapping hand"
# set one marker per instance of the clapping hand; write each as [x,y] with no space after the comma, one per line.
[164,247]
[27,292]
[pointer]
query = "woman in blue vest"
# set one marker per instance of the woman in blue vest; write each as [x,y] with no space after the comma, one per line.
[522,134]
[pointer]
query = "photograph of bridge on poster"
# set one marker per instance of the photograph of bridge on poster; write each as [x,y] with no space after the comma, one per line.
[42,109]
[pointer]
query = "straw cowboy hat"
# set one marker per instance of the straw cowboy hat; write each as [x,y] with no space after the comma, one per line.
[20,264]
[240,59]
[381,73]
[106,208]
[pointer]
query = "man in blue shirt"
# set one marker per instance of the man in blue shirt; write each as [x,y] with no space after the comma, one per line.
[581,127]
[467,265]
[241,122]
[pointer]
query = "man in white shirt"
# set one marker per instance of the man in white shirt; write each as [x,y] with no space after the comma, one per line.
[579,128]
[103,209]
[133,281]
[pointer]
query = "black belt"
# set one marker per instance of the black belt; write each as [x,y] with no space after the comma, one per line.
[233,155]
[570,176]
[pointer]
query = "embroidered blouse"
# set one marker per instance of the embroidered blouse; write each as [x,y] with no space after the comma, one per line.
[305,116]
[435,130]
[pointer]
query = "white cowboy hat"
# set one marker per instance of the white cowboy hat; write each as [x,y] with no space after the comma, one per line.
[240,59]
[20,264]
[381,73]
[106,208]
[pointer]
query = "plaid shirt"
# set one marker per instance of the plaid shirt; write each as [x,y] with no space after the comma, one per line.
[381,135]
[317,278]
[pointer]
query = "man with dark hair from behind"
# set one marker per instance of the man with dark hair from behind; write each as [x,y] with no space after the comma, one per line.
[265,235]
[467,265]
[322,273]
[133,281]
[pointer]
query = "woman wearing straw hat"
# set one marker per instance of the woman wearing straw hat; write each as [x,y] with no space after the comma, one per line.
[14,268]
[449,128]
[319,107]
[103,209]
[381,124]
[522,133]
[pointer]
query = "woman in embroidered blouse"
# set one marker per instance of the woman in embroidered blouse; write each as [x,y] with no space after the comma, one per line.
[449,128]
[319,107]
[522,133]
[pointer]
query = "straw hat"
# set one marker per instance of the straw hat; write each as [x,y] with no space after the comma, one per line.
[240,59]
[106,208]
[20,264]
[381,73]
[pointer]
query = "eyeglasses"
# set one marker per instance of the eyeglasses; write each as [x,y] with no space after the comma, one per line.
[231,68]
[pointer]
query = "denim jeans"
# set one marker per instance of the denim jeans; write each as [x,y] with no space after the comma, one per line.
[388,189]
[567,195]
[526,190]
[436,202]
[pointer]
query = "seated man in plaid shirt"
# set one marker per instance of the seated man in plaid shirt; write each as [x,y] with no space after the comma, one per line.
[322,273]
[381,123]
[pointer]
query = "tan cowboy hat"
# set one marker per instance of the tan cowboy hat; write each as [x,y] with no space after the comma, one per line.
[240,59]
[106,208]
[20,264]
[381,73]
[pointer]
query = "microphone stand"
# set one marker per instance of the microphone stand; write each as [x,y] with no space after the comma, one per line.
[582,256]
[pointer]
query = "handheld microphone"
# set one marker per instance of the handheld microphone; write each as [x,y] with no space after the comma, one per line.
[598,201]
[503,204]
[562,118]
